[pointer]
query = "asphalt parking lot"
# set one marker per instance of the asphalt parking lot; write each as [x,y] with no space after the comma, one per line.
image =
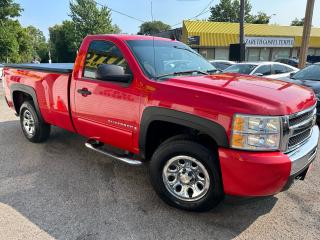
[61,190]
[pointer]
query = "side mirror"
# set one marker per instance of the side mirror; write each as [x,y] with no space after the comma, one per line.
[113,73]
[292,74]
[258,74]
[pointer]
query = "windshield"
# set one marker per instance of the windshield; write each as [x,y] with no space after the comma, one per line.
[165,58]
[241,68]
[309,73]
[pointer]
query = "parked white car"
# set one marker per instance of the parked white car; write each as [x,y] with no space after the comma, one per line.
[273,70]
[221,64]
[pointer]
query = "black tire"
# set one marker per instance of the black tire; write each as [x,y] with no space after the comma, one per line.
[41,129]
[187,147]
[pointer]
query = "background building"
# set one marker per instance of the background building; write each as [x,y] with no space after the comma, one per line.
[263,42]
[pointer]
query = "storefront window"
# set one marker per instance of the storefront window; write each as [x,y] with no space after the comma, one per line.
[280,53]
[264,54]
[253,54]
[222,54]
[294,53]
[207,53]
[317,52]
[203,53]
[311,52]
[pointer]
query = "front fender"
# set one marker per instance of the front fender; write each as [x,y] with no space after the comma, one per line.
[150,114]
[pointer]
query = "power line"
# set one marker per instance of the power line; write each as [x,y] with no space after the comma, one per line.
[121,13]
[204,11]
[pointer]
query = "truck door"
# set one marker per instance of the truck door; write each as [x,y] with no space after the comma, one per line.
[106,109]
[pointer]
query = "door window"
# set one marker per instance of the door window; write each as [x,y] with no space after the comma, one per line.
[264,70]
[279,69]
[103,52]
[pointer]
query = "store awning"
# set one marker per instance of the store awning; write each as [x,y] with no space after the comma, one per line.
[222,34]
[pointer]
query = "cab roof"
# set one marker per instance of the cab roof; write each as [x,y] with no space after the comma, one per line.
[126,37]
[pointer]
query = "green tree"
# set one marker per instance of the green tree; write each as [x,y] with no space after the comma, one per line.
[88,18]
[25,45]
[116,29]
[260,18]
[9,9]
[297,22]
[153,27]
[18,44]
[9,45]
[40,47]
[229,11]
[62,42]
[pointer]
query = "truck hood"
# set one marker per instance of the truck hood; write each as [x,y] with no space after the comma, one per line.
[275,97]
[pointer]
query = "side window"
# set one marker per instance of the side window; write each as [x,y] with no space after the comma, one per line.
[279,69]
[264,70]
[289,69]
[103,52]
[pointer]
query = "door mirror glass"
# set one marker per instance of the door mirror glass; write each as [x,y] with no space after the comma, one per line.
[112,72]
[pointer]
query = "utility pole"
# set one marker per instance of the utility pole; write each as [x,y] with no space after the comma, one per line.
[306,33]
[241,19]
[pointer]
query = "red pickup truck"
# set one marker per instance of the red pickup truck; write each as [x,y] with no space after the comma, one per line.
[204,134]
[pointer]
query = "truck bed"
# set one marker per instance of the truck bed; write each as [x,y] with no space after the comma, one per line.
[49,84]
[45,67]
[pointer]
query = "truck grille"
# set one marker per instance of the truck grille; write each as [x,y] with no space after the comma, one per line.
[300,127]
[300,118]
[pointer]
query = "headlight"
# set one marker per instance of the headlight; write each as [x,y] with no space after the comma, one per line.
[257,133]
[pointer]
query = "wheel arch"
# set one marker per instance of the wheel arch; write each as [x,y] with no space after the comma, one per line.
[154,114]
[18,89]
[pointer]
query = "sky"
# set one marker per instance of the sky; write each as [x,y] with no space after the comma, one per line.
[46,13]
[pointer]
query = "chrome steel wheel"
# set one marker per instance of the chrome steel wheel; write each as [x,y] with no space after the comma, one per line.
[28,123]
[186,178]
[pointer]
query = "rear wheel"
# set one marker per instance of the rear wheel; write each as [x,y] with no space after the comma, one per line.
[186,175]
[34,129]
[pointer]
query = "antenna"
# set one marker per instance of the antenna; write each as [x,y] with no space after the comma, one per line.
[152,12]
[153,43]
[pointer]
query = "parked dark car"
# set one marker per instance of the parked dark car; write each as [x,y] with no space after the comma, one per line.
[309,77]
[290,61]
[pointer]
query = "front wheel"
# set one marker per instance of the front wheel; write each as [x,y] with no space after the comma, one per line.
[186,175]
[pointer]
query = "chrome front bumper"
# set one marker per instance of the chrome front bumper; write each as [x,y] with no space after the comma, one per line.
[305,154]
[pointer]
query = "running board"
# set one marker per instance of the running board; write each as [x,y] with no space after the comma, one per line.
[112,155]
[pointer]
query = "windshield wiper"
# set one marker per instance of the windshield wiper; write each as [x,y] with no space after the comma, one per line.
[182,72]
[213,71]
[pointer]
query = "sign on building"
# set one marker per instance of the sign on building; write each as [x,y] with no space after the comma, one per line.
[194,40]
[272,42]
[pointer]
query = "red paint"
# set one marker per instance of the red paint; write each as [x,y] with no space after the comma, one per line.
[216,97]
[253,173]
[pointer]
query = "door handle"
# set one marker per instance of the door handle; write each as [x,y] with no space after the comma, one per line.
[84,92]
